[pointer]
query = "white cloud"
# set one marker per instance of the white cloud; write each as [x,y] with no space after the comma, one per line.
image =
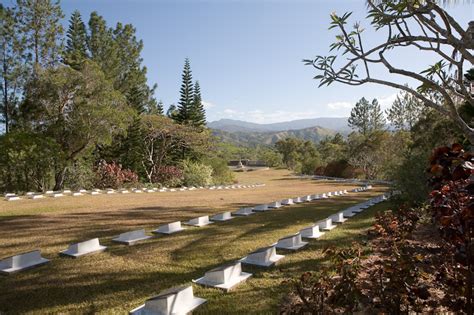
[340,105]
[387,101]
[207,105]
[333,109]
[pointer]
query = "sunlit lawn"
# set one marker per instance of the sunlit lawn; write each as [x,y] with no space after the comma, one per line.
[121,278]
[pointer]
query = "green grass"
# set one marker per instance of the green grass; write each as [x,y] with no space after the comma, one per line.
[121,278]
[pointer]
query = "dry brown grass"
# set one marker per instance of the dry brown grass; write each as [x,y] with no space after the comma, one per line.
[123,277]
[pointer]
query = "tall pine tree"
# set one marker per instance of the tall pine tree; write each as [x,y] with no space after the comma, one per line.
[360,116]
[198,116]
[185,104]
[76,45]
[377,120]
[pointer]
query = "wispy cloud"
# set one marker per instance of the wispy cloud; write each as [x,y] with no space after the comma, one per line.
[340,105]
[333,109]
[207,105]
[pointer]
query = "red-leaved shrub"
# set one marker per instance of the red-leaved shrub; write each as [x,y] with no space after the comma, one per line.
[168,176]
[111,175]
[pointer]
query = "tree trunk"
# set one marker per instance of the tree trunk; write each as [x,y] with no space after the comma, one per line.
[6,107]
[59,179]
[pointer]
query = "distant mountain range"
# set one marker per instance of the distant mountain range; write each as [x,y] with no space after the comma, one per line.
[243,133]
[254,138]
[231,125]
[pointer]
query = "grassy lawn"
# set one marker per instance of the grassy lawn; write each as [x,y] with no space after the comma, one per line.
[121,278]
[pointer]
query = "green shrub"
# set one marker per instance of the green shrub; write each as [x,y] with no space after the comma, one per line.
[80,175]
[196,174]
[221,174]
[27,161]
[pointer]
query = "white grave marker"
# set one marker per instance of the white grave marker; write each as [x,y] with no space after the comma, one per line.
[275,205]
[244,212]
[21,262]
[261,208]
[200,221]
[264,257]
[225,216]
[338,217]
[224,277]
[130,238]
[84,248]
[287,202]
[311,232]
[292,242]
[170,228]
[177,301]
[326,225]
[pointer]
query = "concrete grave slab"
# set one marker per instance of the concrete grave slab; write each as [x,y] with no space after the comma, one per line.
[224,277]
[180,300]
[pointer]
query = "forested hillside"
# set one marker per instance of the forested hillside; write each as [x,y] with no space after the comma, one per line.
[253,139]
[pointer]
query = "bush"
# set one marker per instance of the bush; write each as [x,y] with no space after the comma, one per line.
[196,174]
[169,176]
[80,175]
[340,168]
[221,174]
[309,166]
[111,175]
[27,161]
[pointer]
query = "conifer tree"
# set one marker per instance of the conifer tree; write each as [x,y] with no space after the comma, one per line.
[76,45]
[198,112]
[360,116]
[172,112]
[185,103]
[40,22]
[366,117]
[404,112]
[377,120]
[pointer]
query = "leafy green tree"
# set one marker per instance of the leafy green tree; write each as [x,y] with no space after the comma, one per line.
[163,141]
[404,112]
[198,115]
[428,27]
[40,24]
[75,51]
[78,109]
[185,104]
[101,45]
[13,65]
[27,161]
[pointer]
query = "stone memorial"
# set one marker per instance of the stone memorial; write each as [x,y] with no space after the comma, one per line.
[261,208]
[264,257]
[175,301]
[20,262]
[275,205]
[169,228]
[225,216]
[243,212]
[338,217]
[84,248]
[224,277]
[200,221]
[326,225]
[287,202]
[311,232]
[292,242]
[131,238]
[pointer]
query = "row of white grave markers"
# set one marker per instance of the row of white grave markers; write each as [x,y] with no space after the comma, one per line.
[224,277]
[227,276]
[109,191]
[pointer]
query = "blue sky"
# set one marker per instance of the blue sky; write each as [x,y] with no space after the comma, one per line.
[247,54]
